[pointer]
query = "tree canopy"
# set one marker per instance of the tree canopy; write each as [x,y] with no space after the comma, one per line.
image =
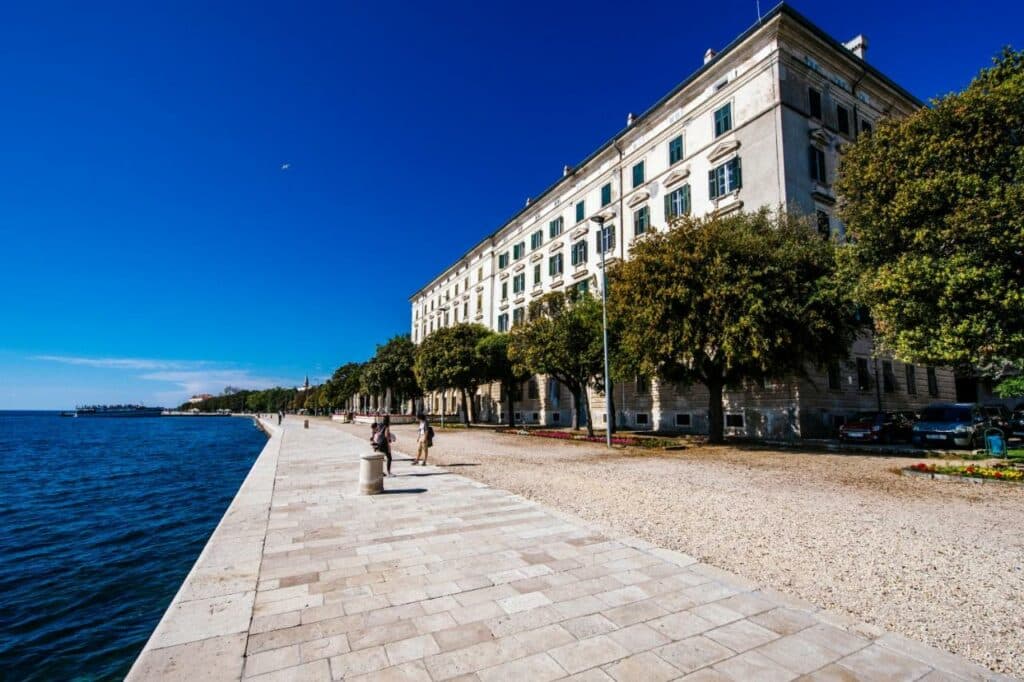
[448,359]
[563,339]
[934,208]
[498,366]
[718,301]
[391,367]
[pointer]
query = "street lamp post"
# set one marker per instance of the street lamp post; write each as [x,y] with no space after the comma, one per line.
[599,220]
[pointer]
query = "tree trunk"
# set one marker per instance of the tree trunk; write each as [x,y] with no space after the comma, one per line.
[575,409]
[510,414]
[465,407]
[590,414]
[716,420]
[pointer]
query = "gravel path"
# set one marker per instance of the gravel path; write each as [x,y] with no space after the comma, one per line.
[940,562]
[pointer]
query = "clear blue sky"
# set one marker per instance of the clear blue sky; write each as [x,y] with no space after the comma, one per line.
[151,244]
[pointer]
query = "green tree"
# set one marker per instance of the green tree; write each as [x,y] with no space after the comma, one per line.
[722,300]
[448,359]
[934,207]
[344,384]
[392,368]
[563,339]
[498,366]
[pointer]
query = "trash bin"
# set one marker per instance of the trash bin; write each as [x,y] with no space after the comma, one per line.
[371,474]
[995,445]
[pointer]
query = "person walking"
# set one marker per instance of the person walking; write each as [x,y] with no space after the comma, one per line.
[384,439]
[424,440]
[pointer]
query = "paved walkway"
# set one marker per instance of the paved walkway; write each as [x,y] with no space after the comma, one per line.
[443,578]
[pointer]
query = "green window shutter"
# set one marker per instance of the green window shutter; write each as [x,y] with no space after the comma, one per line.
[685,189]
[737,173]
[712,185]
[668,207]
[580,211]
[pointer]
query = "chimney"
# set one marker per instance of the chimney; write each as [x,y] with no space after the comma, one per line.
[858,45]
[565,171]
[709,55]
[629,119]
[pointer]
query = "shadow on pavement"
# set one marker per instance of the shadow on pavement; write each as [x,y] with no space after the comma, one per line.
[401,491]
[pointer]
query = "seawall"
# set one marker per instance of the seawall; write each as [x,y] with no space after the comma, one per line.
[203,632]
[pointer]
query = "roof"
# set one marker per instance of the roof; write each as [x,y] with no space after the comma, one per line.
[780,9]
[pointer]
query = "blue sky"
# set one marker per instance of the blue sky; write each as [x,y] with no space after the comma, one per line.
[151,245]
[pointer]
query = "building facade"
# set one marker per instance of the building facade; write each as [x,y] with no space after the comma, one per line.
[761,123]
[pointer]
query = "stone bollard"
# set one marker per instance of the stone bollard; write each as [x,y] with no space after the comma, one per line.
[371,474]
[305,425]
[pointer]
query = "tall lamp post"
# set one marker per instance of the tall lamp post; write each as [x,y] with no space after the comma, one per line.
[599,221]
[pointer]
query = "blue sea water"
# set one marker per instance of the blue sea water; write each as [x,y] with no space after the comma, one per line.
[100,521]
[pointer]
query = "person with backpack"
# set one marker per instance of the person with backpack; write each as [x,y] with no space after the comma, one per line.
[424,441]
[381,439]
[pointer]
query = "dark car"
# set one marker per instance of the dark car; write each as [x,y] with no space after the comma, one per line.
[951,425]
[1017,422]
[999,416]
[877,427]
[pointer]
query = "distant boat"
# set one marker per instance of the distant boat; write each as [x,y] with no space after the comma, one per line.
[118,411]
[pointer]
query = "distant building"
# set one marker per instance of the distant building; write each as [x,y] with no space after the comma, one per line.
[198,398]
[761,123]
[304,387]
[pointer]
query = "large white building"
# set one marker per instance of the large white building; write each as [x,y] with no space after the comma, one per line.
[760,123]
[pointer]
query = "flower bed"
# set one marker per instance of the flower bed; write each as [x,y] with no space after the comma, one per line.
[998,472]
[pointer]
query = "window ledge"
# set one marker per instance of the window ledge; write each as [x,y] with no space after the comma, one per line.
[503,275]
[822,192]
[554,247]
[519,299]
[723,150]
[580,272]
[557,283]
[519,267]
[579,232]
[676,176]
[727,204]
[638,198]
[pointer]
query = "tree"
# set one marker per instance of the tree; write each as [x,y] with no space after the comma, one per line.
[563,339]
[498,366]
[344,384]
[392,368]
[718,301]
[448,359]
[934,207]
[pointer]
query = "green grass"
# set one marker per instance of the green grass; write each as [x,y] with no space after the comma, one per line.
[1016,453]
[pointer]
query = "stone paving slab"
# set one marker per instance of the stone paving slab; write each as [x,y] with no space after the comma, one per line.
[444,578]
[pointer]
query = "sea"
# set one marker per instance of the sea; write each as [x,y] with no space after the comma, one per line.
[100,521]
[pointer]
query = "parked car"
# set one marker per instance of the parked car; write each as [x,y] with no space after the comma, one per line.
[1000,417]
[1017,422]
[877,427]
[951,425]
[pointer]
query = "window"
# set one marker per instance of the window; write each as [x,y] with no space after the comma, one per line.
[518,250]
[724,178]
[824,224]
[723,120]
[643,386]
[556,417]
[888,377]
[536,274]
[683,420]
[456,288]
[536,239]
[638,174]
[834,380]
[911,373]
[555,227]
[675,149]
[606,194]
[933,383]
[816,159]
[479,274]
[519,283]
[734,421]
[814,99]
[863,376]
[465,310]
[532,390]
[677,203]
[479,303]
[843,119]
[582,288]
[604,239]
[503,260]
[865,127]
[642,419]
[579,252]
[555,265]
[518,316]
[641,220]
[504,290]
[581,211]
[503,322]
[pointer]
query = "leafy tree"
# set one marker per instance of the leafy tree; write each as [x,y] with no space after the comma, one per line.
[498,366]
[934,206]
[1011,387]
[563,339]
[448,359]
[344,384]
[392,368]
[717,301]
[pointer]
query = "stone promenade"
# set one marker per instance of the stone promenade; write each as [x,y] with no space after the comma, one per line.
[443,578]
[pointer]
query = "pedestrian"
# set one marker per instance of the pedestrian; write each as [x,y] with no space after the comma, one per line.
[385,440]
[424,441]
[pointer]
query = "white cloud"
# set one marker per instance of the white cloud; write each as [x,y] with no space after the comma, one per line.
[118,363]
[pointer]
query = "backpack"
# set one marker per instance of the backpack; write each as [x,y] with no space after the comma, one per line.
[430,436]
[377,441]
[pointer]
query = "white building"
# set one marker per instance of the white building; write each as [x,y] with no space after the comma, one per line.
[760,123]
